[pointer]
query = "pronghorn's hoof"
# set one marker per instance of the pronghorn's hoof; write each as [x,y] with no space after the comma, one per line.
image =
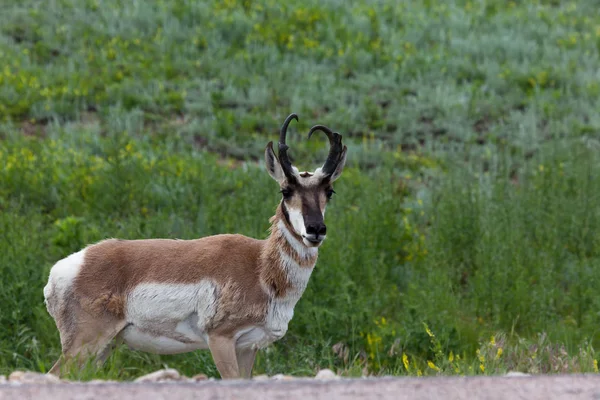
[282,377]
[33,377]
[514,374]
[326,374]
[163,375]
[100,382]
[198,378]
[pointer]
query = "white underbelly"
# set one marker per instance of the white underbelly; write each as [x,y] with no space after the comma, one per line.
[155,343]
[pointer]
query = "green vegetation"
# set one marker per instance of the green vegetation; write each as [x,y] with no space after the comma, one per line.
[465,236]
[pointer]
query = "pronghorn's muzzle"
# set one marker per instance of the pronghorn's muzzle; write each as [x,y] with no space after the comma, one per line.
[315,233]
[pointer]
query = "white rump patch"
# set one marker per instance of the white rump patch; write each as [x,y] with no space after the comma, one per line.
[62,275]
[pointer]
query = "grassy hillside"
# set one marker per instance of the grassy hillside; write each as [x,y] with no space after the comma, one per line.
[464,238]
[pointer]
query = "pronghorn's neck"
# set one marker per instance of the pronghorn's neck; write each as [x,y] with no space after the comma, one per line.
[286,262]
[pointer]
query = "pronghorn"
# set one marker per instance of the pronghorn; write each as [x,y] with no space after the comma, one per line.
[228,293]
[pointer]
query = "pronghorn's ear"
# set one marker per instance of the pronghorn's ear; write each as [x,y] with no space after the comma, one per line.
[273,165]
[340,166]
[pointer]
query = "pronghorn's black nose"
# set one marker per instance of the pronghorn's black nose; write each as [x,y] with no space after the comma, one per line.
[317,229]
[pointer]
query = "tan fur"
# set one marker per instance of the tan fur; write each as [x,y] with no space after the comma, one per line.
[109,303]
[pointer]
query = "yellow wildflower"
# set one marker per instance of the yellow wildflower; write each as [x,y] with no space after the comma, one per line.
[451,357]
[405,361]
[431,365]
[480,356]
[595,365]
[499,353]
[429,331]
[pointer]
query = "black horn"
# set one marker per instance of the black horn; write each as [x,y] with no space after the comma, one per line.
[286,165]
[335,148]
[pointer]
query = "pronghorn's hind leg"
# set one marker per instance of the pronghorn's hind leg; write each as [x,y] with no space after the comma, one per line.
[87,337]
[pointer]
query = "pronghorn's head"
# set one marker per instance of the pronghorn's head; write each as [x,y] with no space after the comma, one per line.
[305,194]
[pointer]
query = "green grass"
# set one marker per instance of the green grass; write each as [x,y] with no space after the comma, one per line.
[468,209]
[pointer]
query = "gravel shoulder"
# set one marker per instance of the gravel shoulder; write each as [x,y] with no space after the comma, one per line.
[447,388]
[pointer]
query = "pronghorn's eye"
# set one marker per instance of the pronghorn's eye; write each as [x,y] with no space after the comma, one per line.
[329,193]
[287,193]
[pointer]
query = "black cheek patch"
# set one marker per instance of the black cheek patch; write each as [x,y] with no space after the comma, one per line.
[285,213]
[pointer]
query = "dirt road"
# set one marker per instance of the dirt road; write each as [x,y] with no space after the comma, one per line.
[530,388]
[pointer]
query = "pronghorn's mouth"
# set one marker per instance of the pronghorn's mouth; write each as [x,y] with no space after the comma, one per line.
[313,242]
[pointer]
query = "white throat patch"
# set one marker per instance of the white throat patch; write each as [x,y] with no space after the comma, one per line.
[303,251]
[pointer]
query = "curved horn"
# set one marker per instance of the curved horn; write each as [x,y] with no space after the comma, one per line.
[335,148]
[286,165]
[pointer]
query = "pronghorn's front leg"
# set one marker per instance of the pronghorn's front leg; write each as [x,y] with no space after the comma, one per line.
[245,360]
[223,352]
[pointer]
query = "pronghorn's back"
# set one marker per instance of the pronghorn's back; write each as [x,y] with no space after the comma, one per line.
[229,293]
